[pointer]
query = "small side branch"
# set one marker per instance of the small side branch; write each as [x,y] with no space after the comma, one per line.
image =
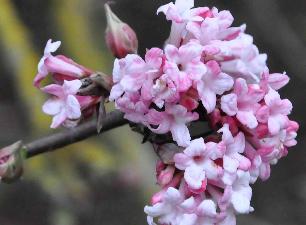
[52,142]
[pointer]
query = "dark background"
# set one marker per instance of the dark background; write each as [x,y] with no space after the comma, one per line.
[108,180]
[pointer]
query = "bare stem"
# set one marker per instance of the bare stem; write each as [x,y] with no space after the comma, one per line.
[52,142]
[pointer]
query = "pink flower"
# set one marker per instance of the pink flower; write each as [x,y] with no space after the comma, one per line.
[278,80]
[180,14]
[120,37]
[278,144]
[238,195]
[274,112]
[164,91]
[205,214]
[174,119]
[249,66]
[64,104]
[243,102]
[239,57]
[184,65]
[214,27]
[275,80]
[177,12]
[196,162]
[133,107]
[132,72]
[233,158]
[128,75]
[213,83]
[291,134]
[61,67]
[260,162]
[171,209]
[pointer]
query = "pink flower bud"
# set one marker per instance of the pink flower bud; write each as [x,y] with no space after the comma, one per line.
[119,36]
[160,166]
[11,162]
[166,175]
[60,67]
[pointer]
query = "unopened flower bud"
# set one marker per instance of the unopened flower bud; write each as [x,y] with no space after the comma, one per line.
[120,37]
[166,175]
[11,161]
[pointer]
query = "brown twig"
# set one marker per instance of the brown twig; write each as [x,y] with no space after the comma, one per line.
[52,142]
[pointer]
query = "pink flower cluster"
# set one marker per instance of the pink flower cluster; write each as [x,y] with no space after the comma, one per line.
[65,105]
[207,69]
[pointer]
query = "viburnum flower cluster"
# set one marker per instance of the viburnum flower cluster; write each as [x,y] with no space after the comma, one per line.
[210,78]
[207,71]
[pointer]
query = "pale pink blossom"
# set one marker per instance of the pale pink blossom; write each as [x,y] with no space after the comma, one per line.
[213,83]
[278,144]
[274,112]
[233,158]
[171,209]
[243,102]
[132,72]
[177,12]
[275,80]
[214,27]
[180,14]
[267,149]
[239,57]
[133,106]
[205,214]
[61,67]
[184,65]
[278,80]
[249,66]
[260,162]
[163,91]
[238,195]
[175,119]
[64,104]
[197,164]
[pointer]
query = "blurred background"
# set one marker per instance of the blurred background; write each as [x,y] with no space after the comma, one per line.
[109,179]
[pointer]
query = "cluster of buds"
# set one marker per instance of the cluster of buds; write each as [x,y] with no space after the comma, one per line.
[208,71]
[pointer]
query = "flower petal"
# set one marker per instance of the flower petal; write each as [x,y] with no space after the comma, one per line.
[180,134]
[247,118]
[73,108]
[229,104]
[52,106]
[58,119]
